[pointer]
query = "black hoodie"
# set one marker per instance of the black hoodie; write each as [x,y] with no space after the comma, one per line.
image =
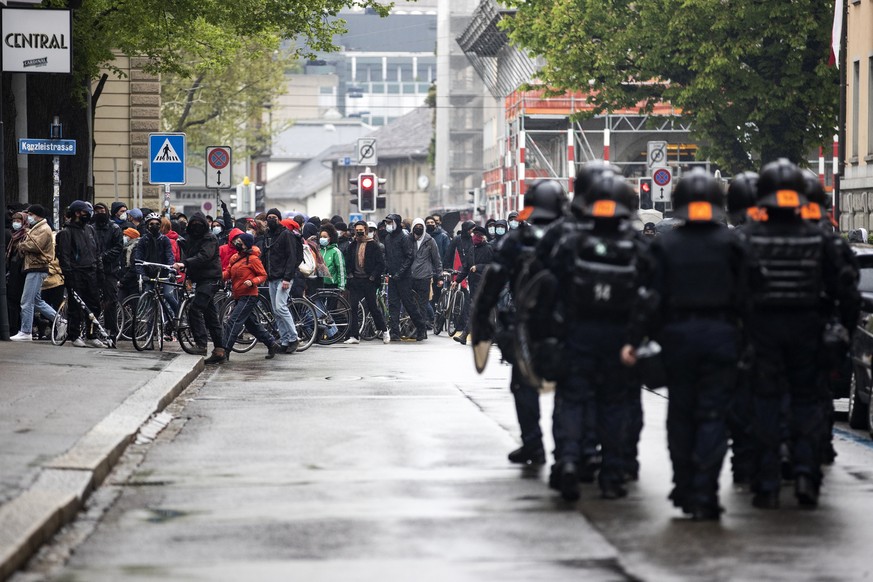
[201,259]
[399,250]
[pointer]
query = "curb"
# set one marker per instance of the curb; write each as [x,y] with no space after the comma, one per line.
[64,483]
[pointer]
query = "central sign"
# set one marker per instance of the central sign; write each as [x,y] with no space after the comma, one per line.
[167,158]
[218,167]
[36,40]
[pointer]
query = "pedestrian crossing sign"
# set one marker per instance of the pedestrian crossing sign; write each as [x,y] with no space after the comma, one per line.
[167,158]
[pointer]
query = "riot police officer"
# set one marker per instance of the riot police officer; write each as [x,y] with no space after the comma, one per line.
[544,203]
[694,304]
[797,266]
[597,273]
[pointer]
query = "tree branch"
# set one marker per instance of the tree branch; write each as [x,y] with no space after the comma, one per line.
[189,102]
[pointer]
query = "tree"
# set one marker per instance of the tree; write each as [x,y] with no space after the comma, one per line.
[752,75]
[178,37]
[223,103]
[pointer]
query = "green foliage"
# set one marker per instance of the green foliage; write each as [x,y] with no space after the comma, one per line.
[752,75]
[178,36]
[227,102]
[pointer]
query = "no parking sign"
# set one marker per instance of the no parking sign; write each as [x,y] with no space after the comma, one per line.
[662,179]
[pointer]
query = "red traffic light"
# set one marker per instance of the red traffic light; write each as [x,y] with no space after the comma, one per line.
[645,187]
[366,182]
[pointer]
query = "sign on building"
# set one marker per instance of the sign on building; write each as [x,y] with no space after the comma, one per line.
[36,40]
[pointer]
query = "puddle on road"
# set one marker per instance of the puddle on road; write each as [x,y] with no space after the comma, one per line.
[159,515]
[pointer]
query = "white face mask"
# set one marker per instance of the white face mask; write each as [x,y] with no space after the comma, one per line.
[126,239]
[323,241]
[16,225]
[491,230]
[31,220]
[123,216]
[216,230]
[513,224]
[500,231]
[390,227]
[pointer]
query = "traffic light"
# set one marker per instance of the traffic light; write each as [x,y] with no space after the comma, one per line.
[367,192]
[645,188]
[381,199]
[260,198]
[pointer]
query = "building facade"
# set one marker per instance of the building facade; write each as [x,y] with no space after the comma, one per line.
[856,196]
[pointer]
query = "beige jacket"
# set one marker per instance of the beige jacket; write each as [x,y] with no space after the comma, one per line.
[55,277]
[37,247]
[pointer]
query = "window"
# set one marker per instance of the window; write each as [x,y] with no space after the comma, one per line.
[409,88]
[856,107]
[870,107]
[393,88]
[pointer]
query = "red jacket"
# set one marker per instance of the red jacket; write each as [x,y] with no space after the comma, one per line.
[226,251]
[242,268]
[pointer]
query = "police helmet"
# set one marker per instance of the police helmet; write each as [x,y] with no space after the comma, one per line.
[611,197]
[742,192]
[781,185]
[152,216]
[818,202]
[543,202]
[699,197]
[586,176]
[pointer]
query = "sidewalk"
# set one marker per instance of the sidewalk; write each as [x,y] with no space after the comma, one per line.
[66,416]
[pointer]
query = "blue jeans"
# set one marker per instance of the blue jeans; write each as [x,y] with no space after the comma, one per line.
[284,319]
[31,298]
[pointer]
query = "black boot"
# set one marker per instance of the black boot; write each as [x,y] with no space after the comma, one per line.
[272,349]
[218,356]
[534,454]
[806,491]
[569,482]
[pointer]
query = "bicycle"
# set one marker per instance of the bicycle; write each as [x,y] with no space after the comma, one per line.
[439,312]
[451,305]
[60,324]
[367,326]
[153,313]
[333,312]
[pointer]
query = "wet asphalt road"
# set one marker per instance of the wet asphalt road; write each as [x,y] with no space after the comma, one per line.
[377,462]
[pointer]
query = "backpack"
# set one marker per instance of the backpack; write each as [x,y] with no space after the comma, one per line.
[307,265]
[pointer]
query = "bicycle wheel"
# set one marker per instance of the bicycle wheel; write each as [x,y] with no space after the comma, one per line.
[264,313]
[439,316]
[145,322]
[458,310]
[451,313]
[59,325]
[305,321]
[125,318]
[367,329]
[337,313]
[244,341]
[183,328]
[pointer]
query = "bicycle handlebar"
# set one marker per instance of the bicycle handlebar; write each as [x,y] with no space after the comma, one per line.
[159,265]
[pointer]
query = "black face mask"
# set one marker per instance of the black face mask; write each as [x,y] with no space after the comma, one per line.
[196,229]
[272,223]
[418,231]
[155,229]
[430,228]
[101,219]
[239,245]
[84,218]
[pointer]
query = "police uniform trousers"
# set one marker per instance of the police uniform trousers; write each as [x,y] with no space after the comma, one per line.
[740,428]
[594,399]
[527,409]
[700,357]
[787,367]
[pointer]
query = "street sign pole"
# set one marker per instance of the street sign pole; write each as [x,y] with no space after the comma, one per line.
[4,314]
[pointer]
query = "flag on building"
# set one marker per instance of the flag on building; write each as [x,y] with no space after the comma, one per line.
[836,34]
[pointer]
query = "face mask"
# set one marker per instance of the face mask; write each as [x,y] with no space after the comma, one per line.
[85,218]
[500,231]
[123,216]
[238,244]
[390,227]
[478,239]
[418,231]
[126,239]
[197,229]
[360,234]
[31,220]
[16,225]
[430,228]
[491,230]
[155,229]
[324,241]
[101,218]
[513,224]
[216,230]
[272,223]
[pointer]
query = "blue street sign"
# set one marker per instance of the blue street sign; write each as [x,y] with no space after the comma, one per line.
[347,161]
[167,158]
[47,147]
[355,217]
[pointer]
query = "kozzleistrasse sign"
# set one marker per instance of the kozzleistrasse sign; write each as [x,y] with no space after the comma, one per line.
[36,40]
